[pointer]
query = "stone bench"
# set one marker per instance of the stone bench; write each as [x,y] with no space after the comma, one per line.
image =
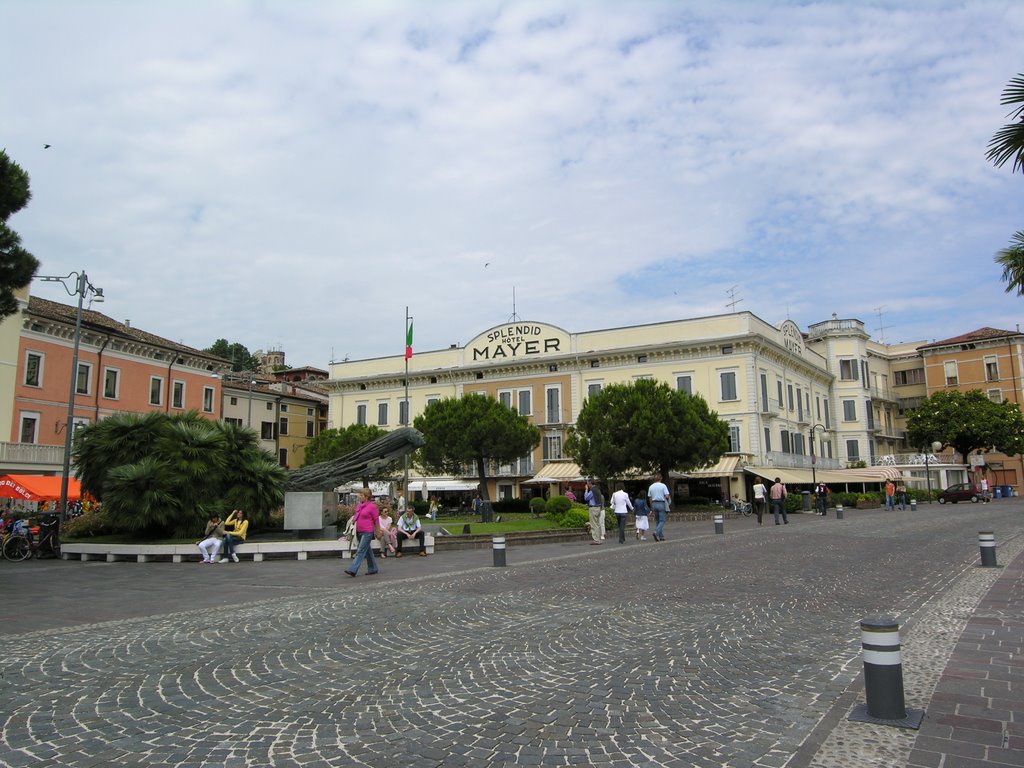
[181,552]
[410,547]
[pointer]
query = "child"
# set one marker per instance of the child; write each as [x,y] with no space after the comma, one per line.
[640,509]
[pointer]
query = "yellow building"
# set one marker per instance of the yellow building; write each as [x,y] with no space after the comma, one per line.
[776,387]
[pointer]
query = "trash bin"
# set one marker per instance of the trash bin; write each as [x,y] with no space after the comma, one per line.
[807,500]
[1007,491]
[999,492]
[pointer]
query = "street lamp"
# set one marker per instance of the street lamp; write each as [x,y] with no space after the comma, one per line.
[936,447]
[82,287]
[814,475]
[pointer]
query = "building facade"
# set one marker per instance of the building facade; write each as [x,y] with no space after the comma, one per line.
[784,394]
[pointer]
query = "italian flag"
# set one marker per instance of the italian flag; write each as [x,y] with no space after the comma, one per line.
[408,341]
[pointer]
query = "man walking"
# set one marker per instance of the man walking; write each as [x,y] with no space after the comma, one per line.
[658,497]
[595,506]
[890,496]
[778,494]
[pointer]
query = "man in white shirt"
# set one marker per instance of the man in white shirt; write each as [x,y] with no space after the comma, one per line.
[658,497]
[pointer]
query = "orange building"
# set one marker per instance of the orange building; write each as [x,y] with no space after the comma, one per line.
[120,369]
[990,360]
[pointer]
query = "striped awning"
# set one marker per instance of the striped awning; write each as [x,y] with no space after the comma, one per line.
[557,472]
[792,476]
[727,465]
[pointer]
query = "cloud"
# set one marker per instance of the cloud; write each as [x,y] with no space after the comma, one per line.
[296,174]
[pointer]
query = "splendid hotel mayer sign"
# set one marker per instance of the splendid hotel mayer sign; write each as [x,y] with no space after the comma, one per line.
[516,341]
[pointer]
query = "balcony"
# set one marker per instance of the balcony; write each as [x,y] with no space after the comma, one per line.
[883,394]
[29,457]
[799,461]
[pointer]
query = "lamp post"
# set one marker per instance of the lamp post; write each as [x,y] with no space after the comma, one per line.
[814,475]
[82,286]
[935,448]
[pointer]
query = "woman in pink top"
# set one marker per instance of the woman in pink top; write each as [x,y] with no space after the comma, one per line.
[367,519]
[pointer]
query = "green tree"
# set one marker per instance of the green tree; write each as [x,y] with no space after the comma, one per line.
[648,426]
[335,443]
[17,266]
[239,355]
[967,422]
[1008,145]
[473,430]
[162,474]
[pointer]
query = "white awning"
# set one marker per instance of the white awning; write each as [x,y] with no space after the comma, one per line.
[557,472]
[727,465]
[442,485]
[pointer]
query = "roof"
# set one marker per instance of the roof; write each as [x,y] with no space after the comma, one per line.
[97,321]
[981,334]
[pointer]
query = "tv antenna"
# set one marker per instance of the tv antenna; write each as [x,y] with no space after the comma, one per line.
[733,301]
[515,318]
[881,327]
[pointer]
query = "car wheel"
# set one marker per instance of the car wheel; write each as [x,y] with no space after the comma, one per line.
[974,499]
[941,500]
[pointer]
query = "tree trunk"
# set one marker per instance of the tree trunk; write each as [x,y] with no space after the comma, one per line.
[482,476]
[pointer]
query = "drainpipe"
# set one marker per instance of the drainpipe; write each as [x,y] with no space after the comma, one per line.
[99,371]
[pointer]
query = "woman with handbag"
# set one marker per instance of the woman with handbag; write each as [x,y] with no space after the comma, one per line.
[367,518]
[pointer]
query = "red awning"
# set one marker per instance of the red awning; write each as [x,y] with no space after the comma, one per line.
[37,488]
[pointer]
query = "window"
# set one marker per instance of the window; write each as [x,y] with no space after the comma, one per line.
[552,447]
[799,405]
[848,370]
[111,383]
[789,396]
[234,401]
[734,438]
[33,370]
[28,432]
[267,430]
[505,398]
[778,383]
[817,405]
[641,358]
[525,402]
[849,410]
[727,349]
[798,443]
[951,373]
[270,406]
[767,438]
[764,391]
[382,413]
[865,374]
[595,363]
[84,377]
[208,393]
[852,450]
[432,399]
[403,412]
[284,407]
[553,399]
[309,429]
[361,413]
[828,415]
[593,388]
[283,457]
[913,376]
[156,390]
[309,411]
[230,420]
[784,439]
[728,379]
[995,395]
[284,426]
[684,384]
[991,368]
[178,394]
[869,411]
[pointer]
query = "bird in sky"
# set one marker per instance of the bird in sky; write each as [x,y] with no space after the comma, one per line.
[487,264]
[46,146]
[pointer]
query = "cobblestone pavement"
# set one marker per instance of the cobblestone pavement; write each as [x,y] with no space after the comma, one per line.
[706,650]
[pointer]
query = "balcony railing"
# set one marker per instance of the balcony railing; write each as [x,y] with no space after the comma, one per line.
[914,459]
[799,461]
[29,453]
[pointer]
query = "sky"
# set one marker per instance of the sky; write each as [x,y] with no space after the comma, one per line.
[293,175]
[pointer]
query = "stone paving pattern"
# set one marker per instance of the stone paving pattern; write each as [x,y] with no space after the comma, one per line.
[706,650]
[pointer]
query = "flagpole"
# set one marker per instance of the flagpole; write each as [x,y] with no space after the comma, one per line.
[405,478]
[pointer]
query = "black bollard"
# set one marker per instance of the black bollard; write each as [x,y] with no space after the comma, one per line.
[498,548]
[987,544]
[883,676]
[719,524]
[839,511]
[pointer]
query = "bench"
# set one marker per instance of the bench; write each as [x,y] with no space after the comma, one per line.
[178,553]
[409,548]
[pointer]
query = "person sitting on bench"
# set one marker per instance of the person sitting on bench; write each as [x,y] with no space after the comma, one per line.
[408,527]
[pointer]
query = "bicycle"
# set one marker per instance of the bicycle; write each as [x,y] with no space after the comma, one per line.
[744,508]
[21,544]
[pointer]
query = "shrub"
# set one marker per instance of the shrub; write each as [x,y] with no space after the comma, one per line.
[576,517]
[510,505]
[558,506]
[421,507]
[93,523]
[276,520]
[846,499]
[537,506]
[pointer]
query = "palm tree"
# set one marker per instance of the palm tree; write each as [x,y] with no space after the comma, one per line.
[105,444]
[1011,259]
[1009,140]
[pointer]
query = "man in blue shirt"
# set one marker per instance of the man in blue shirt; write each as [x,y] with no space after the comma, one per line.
[658,497]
